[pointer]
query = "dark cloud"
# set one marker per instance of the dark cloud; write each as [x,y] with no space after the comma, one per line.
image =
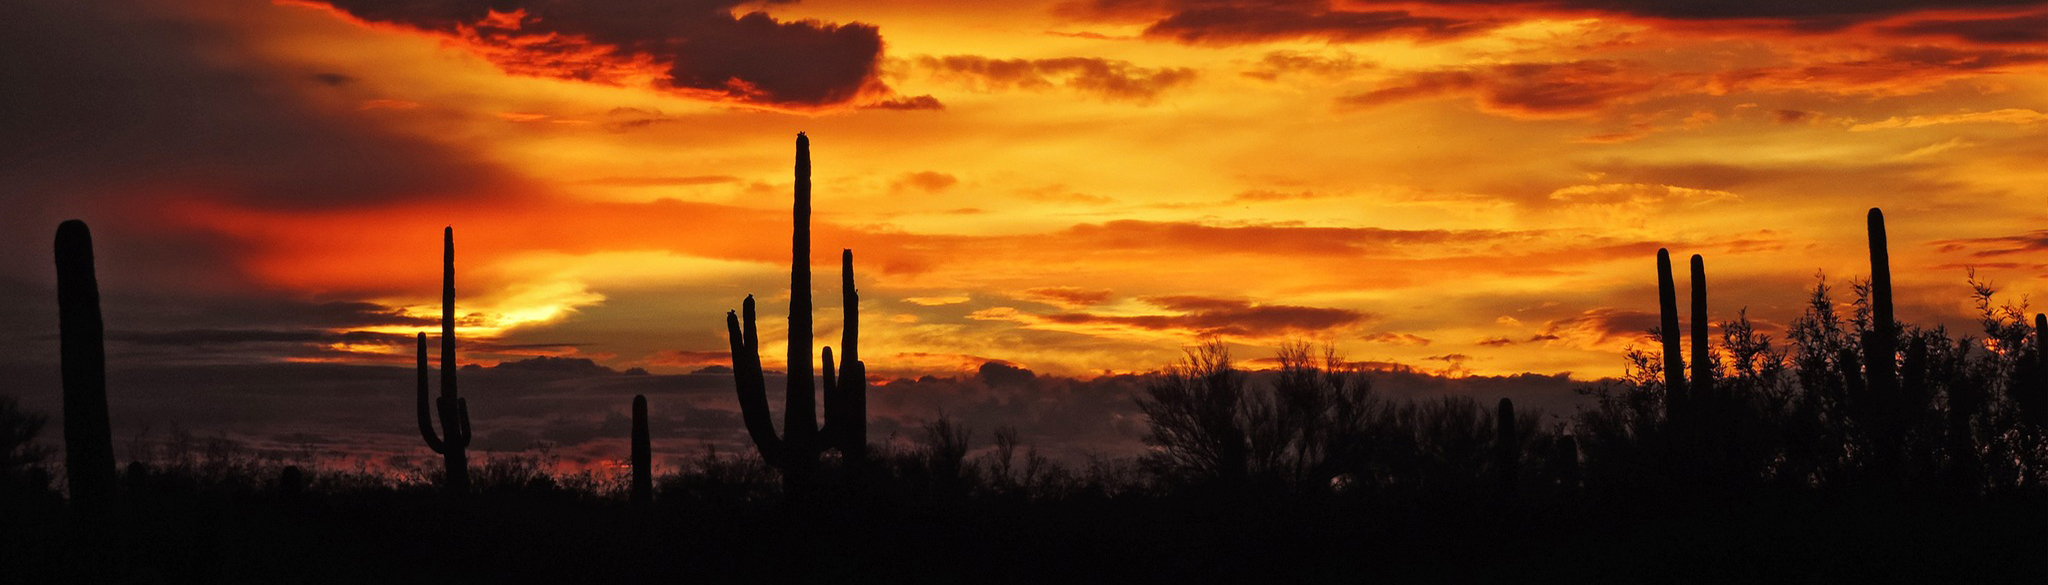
[1070,296]
[1247,21]
[922,102]
[1215,22]
[1601,326]
[1107,78]
[2004,30]
[694,47]
[2030,243]
[1520,89]
[1232,317]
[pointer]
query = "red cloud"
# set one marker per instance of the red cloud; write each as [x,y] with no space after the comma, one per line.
[693,47]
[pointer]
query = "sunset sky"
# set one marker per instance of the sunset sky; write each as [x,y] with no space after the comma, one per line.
[1077,188]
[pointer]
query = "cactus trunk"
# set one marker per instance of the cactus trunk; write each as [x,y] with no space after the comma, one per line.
[643,455]
[1675,396]
[1880,358]
[454,410]
[88,433]
[1701,387]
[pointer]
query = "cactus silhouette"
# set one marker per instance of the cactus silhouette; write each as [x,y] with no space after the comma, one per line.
[2033,402]
[1701,387]
[1507,446]
[1882,402]
[643,457]
[795,453]
[1675,396]
[88,435]
[454,410]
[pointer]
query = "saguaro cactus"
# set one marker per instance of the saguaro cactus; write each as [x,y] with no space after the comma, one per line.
[2033,401]
[454,410]
[795,453]
[1701,386]
[88,435]
[1882,406]
[1880,354]
[1507,446]
[1675,395]
[643,455]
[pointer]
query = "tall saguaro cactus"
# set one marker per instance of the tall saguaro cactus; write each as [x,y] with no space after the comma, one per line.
[795,452]
[1882,411]
[1675,395]
[1701,387]
[1880,353]
[643,454]
[2033,401]
[453,409]
[88,434]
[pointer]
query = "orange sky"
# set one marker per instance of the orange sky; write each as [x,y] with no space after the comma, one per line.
[1076,187]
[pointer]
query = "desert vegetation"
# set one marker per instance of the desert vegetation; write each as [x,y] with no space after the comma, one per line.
[1857,447]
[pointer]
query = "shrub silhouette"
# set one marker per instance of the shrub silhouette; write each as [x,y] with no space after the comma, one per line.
[453,408]
[796,452]
[88,435]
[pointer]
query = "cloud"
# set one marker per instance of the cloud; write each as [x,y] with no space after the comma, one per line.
[925,181]
[1106,78]
[698,48]
[1229,317]
[1279,64]
[1603,327]
[1527,90]
[2005,116]
[2035,242]
[1070,296]
[1997,30]
[1221,22]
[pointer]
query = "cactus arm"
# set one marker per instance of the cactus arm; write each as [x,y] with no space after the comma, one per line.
[834,403]
[1674,361]
[851,433]
[1702,383]
[426,416]
[751,387]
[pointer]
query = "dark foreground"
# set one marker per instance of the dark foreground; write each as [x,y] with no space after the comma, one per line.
[418,536]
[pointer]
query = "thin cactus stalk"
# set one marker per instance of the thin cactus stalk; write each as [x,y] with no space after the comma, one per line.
[1884,411]
[1701,386]
[795,453]
[88,433]
[1881,351]
[453,409]
[1507,446]
[1675,395]
[643,454]
[2033,401]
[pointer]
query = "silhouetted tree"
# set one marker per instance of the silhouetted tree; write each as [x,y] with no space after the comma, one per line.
[454,409]
[1198,411]
[88,435]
